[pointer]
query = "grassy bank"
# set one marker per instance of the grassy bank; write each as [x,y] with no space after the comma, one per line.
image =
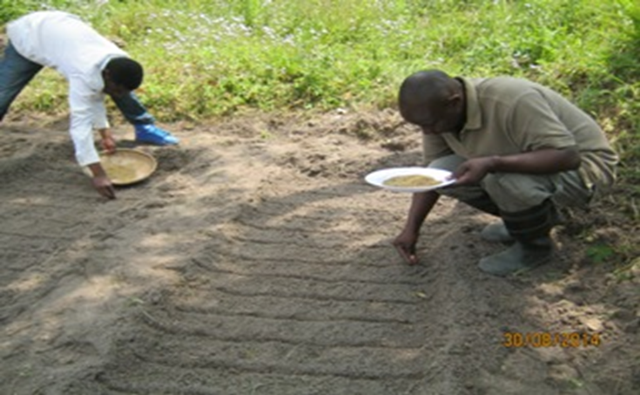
[207,58]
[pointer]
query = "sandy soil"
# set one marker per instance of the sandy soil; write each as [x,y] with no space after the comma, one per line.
[257,261]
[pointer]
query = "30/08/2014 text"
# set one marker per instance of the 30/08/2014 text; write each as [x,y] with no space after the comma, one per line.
[550,339]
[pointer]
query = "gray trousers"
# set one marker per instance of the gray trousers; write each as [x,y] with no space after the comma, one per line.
[515,192]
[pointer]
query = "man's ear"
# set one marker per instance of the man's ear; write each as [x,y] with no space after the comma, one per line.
[454,100]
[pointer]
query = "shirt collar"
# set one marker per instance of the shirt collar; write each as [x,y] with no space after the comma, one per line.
[103,64]
[474,115]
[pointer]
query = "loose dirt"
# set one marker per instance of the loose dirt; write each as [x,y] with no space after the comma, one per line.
[257,261]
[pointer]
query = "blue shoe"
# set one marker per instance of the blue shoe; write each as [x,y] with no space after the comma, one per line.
[150,133]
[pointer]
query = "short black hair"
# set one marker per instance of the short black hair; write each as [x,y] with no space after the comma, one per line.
[126,72]
[420,90]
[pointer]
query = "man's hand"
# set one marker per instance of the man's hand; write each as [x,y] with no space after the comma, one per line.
[101,182]
[108,142]
[474,170]
[109,145]
[405,244]
[542,161]
[103,185]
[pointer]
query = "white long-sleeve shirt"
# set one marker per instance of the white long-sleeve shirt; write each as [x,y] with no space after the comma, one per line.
[64,42]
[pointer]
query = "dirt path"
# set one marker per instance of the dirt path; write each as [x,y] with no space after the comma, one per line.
[256,261]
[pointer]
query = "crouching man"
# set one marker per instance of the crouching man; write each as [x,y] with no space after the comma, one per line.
[518,150]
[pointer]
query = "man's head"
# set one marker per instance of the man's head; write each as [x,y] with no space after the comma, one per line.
[121,76]
[434,101]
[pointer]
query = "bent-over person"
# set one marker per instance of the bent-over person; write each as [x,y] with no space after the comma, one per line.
[93,67]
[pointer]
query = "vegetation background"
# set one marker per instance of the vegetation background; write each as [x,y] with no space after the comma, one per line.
[211,58]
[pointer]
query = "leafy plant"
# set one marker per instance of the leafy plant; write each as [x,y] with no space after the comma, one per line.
[600,253]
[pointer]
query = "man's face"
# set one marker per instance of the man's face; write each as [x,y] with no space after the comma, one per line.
[113,89]
[437,117]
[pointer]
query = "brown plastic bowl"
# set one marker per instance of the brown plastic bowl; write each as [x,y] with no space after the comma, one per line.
[127,166]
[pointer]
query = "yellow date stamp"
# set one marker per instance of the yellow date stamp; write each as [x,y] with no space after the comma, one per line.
[550,339]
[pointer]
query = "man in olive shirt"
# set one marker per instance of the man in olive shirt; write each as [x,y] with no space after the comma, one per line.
[518,150]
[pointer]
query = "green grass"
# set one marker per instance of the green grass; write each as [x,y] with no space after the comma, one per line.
[207,58]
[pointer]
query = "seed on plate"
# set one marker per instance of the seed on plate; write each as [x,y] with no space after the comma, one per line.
[411,181]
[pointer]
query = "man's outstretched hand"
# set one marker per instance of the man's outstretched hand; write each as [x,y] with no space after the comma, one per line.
[103,185]
[101,182]
[405,244]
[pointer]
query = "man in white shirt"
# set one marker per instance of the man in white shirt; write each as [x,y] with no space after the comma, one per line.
[93,66]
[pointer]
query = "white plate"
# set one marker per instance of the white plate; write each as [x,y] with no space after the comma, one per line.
[378,178]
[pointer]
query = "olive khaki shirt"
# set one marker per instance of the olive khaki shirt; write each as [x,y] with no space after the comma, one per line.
[507,116]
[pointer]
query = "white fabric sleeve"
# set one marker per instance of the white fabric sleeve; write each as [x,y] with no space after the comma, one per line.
[86,108]
[100,120]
